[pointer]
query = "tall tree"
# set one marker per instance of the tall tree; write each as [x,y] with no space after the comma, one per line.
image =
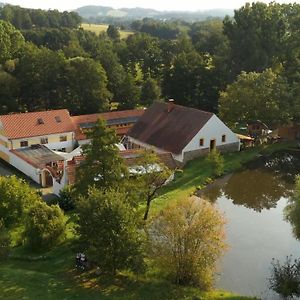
[86,86]
[113,32]
[150,92]
[256,96]
[9,92]
[11,41]
[109,232]
[191,82]
[102,167]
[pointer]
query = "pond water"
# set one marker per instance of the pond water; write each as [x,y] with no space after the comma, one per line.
[253,201]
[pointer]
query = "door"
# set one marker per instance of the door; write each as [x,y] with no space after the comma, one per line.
[212,144]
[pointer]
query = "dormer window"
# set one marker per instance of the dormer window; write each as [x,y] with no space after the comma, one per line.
[58,119]
[40,121]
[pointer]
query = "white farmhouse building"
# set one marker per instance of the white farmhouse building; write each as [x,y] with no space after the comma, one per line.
[185,132]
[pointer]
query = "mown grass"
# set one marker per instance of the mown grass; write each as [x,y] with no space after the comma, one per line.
[53,277]
[196,172]
[98,28]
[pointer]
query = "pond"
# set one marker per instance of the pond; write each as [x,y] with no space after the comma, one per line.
[253,201]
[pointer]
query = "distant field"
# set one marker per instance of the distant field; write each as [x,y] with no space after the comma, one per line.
[98,28]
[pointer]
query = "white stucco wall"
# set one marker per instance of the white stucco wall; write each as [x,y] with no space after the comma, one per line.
[212,130]
[24,167]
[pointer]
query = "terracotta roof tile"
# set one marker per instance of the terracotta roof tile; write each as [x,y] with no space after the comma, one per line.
[25,125]
[169,129]
[118,116]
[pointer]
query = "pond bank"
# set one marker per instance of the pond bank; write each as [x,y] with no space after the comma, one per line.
[198,172]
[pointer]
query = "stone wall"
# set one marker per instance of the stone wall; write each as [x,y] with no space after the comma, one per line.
[233,147]
[190,155]
[194,154]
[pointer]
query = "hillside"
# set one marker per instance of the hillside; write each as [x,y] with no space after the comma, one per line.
[100,13]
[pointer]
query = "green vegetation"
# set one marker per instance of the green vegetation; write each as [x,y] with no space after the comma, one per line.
[187,238]
[199,172]
[53,277]
[100,28]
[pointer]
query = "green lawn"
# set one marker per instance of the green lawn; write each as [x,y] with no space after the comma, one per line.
[197,171]
[98,28]
[53,276]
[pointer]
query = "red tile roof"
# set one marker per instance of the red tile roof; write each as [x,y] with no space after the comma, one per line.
[169,130]
[93,118]
[112,115]
[25,125]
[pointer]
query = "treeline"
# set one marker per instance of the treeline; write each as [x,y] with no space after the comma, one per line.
[24,18]
[232,66]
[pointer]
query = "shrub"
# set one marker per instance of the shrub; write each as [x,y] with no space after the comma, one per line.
[217,161]
[66,198]
[285,278]
[44,226]
[186,239]
[16,196]
[4,241]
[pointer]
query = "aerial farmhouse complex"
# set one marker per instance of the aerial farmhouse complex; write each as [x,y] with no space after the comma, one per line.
[46,145]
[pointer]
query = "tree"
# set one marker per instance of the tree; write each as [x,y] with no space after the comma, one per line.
[113,32]
[103,167]
[129,93]
[9,91]
[152,174]
[66,199]
[44,226]
[285,278]
[257,36]
[41,76]
[86,86]
[256,96]
[11,41]
[187,238]
[150,92]
[16,197]
[191,81]
[108,230]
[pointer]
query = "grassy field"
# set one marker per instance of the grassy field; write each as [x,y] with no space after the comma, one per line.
[98,28]
[53,276]
[197,171]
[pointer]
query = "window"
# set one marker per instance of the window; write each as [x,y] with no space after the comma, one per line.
[40,121]
[223,138]
[44,140]
[24,143]
[201,142]
[58,119]
[63,138]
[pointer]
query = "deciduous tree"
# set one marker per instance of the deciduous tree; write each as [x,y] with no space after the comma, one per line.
[107,225]
[187,239]
[44,226]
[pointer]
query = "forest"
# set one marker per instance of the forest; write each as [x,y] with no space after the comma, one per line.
[243,67]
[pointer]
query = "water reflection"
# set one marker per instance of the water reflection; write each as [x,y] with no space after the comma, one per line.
[256,203]
[260,185]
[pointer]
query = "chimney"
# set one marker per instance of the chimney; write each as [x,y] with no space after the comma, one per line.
[170,105]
